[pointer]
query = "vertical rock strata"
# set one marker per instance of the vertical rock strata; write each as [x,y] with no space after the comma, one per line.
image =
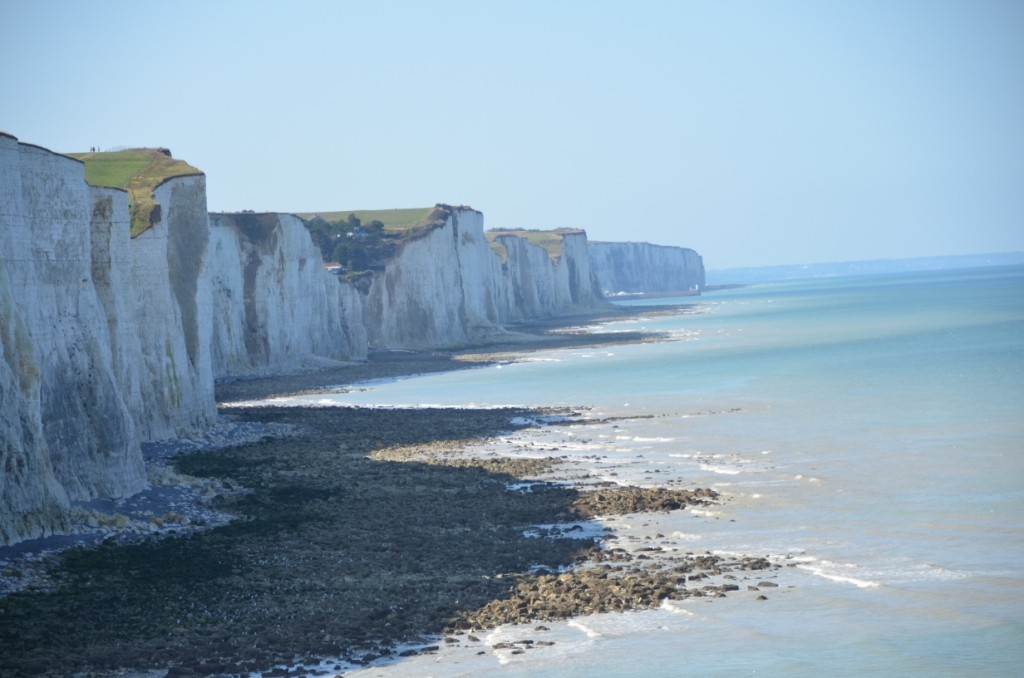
[68,432]
[32,502]
[441,289]
[538,286]
[638,267]
[104,338]
[449,288]
[171,318]
[274,308]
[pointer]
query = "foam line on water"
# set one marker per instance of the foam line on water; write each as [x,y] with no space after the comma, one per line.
[838,572]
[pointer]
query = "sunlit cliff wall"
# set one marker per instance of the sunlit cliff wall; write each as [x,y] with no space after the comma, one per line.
[275,308]
[108,341]
[441,289]
[67,432]
[448,287]
[539,286]
[637,267]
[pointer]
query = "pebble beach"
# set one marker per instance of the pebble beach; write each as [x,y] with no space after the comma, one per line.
[294,541]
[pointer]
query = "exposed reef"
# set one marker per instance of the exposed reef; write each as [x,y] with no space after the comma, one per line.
[368,529]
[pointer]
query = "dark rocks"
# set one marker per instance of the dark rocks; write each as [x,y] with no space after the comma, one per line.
[368,531]
[617,500]
[626,585]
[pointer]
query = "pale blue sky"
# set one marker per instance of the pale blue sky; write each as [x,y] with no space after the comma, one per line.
[755,132]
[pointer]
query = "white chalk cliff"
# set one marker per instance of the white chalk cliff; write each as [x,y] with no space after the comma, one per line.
[68,432]
[441,289]
[449,287]
[639,267]
[275,309]
[108,341]
[541,286]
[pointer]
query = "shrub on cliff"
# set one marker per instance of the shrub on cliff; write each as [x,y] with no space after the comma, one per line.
[355,246]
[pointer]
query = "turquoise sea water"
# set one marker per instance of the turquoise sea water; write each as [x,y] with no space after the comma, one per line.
[868,432]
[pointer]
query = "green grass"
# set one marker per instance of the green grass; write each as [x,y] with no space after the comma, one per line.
[138,171]
[395,221]
[551,241]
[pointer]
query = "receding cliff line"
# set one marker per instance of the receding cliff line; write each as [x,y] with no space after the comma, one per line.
[541,285]
[638,268]
[448,287]
[109,340]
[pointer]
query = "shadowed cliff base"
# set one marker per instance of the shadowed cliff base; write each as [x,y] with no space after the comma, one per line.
[339,552]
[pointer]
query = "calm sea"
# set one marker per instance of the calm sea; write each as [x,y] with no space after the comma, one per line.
[868,432]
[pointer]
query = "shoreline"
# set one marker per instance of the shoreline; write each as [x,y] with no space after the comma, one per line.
[372,536]
[335,509]
[521,338]
[145,514]
[93,521]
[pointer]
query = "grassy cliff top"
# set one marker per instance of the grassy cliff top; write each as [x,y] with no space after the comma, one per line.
[548,240]
[139,171]
[365,240]
[400,221]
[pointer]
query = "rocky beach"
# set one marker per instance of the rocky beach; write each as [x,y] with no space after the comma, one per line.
[305,541]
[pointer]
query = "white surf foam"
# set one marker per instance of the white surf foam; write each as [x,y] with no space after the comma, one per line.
[675,607]
[844,573]
[723,470]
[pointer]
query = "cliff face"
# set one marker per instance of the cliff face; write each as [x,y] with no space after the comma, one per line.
[172,317]
[107,341]
[538,286]
[274,307]
[68,432]
[449,288]
[441,289]
[32,502]
[583,285]
[632,267]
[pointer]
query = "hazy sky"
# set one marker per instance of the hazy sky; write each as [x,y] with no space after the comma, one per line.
[755,132]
